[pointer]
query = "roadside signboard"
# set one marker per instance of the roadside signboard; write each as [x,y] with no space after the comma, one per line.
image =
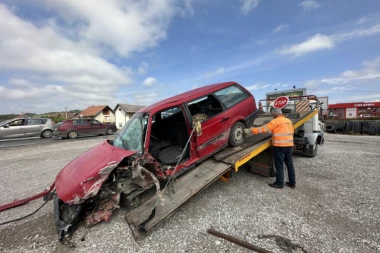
[281,102]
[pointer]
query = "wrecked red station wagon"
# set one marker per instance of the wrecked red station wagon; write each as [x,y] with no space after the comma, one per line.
[164,139]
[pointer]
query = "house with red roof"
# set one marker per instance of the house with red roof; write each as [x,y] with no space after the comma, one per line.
[102,113]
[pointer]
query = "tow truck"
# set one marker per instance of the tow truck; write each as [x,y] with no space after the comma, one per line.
[254,154]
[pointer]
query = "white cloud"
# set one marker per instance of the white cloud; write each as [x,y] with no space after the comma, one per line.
[371,71]
[67,55]
[312,84]
[258,85]
[149,81]
[281,27]
[312,44]
[143,68]
[363,32]
[309,5]
[210,74]
[263,85]
[248,5]
[124,26]
[27,47]
[145,98]
[368,76]
[324,42]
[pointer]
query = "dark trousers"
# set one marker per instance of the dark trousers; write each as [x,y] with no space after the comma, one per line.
[281,155]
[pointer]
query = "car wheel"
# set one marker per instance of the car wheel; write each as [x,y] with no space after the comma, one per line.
[236,137]
[47,134]
[72,134]
[109,131]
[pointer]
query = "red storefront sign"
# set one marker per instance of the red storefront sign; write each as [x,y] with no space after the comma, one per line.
[354,105]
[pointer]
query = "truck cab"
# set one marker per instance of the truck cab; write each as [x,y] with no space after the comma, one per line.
[309,135]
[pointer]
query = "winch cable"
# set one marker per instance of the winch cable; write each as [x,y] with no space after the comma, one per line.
[175,168]
[26,216]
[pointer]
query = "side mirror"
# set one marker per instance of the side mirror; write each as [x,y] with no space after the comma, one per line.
[197,122]
[5,126]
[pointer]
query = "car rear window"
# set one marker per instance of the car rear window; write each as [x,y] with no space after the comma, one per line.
[231,95]
[36,121]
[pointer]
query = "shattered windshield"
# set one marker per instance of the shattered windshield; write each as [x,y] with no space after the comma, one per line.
[132,135]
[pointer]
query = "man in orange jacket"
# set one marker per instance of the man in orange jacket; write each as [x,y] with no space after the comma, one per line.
[282,141]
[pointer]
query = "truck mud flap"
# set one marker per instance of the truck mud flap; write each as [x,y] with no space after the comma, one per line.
[144,218]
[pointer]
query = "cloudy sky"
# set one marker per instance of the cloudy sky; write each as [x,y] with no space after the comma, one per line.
[69,53]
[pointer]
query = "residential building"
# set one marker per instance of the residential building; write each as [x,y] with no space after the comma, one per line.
[102,113]
[124,112]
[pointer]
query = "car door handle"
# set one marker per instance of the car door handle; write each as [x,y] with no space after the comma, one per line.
[224,119]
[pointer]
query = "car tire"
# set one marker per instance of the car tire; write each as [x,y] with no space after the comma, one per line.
[330,128]
[349,127]
[47,134]
[365,127]
[357,127]
[339,131]
[313,150]
[109,131]
[236,137]
[72,134]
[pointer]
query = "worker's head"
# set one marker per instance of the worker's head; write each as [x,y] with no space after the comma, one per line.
[276,112]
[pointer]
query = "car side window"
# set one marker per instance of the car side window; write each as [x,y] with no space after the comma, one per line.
[34,122]
[207,105]
[94,122]
[19,122]
[231,95]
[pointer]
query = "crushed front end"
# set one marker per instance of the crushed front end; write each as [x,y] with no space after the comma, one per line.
[90,188]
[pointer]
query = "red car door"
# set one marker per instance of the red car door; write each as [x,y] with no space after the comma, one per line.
[214,133]
[96,127]
[81,126]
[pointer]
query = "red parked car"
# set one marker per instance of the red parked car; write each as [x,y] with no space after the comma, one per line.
[72,128]
[166,138]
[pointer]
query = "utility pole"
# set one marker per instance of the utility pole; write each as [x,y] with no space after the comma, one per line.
[66,111]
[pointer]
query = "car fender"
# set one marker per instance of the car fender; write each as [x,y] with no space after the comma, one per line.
[83,177]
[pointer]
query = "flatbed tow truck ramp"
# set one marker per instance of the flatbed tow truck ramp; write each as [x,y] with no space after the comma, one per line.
[150,213]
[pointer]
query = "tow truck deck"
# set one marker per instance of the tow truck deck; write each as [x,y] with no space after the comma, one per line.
[143,218]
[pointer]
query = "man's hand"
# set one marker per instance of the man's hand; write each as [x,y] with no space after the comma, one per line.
[247,131]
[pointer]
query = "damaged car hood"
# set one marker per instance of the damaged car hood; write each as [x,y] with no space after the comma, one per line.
[83,177]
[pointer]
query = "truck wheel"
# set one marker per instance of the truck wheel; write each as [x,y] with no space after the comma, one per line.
[313,150]
[236,137]
[72,134]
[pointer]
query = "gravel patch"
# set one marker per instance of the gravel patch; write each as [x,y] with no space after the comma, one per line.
[335,207]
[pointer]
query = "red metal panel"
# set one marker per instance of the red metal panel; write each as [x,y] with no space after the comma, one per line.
[353,105]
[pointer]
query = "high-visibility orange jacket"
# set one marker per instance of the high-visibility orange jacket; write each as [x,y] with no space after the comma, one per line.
[282,131]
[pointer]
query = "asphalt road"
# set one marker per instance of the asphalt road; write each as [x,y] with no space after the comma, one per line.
[335,207]
[40,141]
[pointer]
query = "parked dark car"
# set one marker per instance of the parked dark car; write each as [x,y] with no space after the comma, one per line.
[26,127]
[73,128]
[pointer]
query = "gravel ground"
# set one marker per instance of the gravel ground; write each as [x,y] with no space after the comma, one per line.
[335,207]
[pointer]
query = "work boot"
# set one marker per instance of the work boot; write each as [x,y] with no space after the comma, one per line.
[277,186]
[290,185]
